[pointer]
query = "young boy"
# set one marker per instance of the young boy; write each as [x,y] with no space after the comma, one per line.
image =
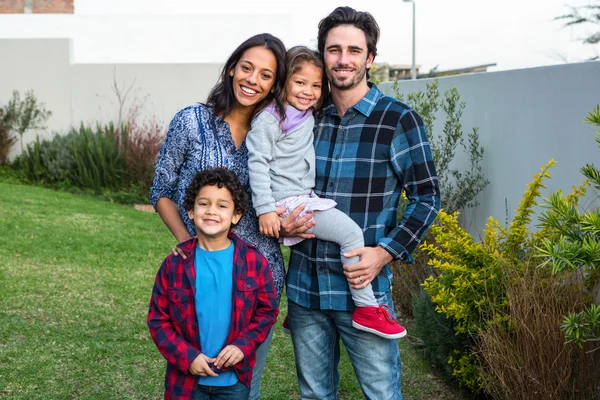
[208,337]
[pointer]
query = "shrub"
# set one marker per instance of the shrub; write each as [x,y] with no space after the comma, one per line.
[83,158]
[88,158]
[574,245]
[142,146]
[528,357]
[459,188]
[98,160]
[437,333]
[494,293]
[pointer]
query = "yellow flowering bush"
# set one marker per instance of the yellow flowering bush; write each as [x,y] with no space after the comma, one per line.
[471,287]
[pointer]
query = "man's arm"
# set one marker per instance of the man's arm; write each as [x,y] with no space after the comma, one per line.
[412,161]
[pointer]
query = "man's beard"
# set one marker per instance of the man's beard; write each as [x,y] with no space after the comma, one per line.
[348,84]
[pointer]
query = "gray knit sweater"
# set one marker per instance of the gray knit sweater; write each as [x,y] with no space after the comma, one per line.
[281,164]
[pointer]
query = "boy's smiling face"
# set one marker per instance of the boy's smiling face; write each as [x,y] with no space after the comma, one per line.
[213,214]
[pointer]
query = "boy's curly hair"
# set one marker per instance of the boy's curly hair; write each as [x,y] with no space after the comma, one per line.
[219,177]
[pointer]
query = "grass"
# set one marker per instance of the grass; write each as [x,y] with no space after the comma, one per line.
[75,281]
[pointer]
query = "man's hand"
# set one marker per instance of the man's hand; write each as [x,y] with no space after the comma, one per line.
[200,366]
[372,261]
[230,355]
[269,224]
[290,227]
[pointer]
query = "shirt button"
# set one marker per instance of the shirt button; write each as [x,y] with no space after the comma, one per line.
[342,128]
[336,157]
[330,184]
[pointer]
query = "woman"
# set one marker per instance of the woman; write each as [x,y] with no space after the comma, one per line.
[213,135]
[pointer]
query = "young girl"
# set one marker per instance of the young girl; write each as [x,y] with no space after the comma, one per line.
[281,163]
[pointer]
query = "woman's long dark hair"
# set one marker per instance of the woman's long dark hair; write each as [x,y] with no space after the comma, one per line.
[221,97]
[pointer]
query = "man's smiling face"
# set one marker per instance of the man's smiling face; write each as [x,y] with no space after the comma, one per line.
[346,57]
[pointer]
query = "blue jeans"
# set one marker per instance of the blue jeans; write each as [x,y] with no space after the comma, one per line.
[239,391]
[257,371]
[316,337]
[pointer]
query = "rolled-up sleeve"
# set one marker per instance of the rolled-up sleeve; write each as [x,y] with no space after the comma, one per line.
[412,162]
[173,154]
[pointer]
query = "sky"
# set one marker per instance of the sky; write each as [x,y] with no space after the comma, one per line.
[449,33]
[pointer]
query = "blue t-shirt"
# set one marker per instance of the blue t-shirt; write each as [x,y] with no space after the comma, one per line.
[214,291]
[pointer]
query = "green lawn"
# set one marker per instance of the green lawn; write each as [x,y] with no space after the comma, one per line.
[75,280]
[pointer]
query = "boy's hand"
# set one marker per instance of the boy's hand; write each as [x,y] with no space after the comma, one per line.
[200,366]
[269,224]
[230,355]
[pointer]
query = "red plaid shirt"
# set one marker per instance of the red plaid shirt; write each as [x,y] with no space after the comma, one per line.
[172,315]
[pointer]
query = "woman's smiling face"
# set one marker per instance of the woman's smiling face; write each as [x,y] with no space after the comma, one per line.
[254,76]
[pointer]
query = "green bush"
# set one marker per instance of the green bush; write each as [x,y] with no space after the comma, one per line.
[99,163]
[496,294]
[573,245]
[437,333]
[459,188]
[83,158]
[117,164]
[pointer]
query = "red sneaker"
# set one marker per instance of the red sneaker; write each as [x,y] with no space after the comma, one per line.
[285,327]
[378,321]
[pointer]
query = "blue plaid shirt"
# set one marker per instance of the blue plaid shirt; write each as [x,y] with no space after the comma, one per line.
[363,161]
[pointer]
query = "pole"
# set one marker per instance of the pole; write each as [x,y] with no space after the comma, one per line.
[413,70]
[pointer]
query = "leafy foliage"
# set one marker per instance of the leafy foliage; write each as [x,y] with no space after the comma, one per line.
[459,187]
[509,309]
[574,245]
[584,15]
[23,115]
[117,163]
[437,332]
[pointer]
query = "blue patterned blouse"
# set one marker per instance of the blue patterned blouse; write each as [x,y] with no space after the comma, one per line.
[198,139]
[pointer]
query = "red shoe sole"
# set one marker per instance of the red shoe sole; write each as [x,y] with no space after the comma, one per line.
[380,334]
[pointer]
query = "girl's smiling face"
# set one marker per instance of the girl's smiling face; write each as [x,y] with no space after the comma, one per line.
[303,89]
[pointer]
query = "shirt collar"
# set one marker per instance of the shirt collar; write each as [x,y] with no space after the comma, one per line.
[365,106]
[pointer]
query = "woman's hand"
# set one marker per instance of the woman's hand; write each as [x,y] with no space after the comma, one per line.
[179,252]
[269,224]
[290,227]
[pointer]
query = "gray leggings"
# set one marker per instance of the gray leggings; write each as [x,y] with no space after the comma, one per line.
[334,226]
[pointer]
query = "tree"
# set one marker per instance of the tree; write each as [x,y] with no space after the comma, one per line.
[26,114]
[584,15]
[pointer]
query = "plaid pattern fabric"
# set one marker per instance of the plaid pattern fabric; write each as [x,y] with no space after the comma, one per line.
[364,160]
[172,315]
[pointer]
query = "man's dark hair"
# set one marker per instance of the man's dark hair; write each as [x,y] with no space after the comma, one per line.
[349,16]
[221,96]
[219,177]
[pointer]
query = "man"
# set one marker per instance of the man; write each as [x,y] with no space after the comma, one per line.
[369,147]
